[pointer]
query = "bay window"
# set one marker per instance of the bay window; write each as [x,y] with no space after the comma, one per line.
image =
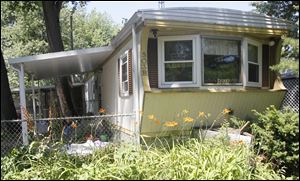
[216,61]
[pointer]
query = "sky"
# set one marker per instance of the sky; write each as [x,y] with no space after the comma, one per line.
[125,9]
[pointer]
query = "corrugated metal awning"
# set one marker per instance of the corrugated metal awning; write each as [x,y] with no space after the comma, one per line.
[50,65]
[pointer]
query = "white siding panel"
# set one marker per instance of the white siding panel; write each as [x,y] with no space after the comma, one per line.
[112,101]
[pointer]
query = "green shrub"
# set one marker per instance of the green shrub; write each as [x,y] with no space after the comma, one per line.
[191,160]
[277,137]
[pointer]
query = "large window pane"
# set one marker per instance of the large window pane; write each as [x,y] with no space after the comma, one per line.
[252,53]
[222,62]
[178,50]
[253,72]
[178,72]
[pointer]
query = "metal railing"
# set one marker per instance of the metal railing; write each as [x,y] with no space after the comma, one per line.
[66,129]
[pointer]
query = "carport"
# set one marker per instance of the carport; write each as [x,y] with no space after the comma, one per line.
[50,65]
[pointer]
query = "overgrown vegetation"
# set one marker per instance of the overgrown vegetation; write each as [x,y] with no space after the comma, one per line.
[275,154]
[211,159]
[277,137]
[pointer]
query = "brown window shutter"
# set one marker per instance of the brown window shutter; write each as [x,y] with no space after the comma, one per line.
[130,89]
[152,63]
[265,66]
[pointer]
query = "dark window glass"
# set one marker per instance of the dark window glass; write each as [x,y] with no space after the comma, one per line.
[253,75]
[252,53]
[124,72]
[125,86]
[222,62]
[178,50]
[178,72]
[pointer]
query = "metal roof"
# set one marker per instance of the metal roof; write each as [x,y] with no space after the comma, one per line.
[229,18]
[79,61]
[63,63]
[216,16]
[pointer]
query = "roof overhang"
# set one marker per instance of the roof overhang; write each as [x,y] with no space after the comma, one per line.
[213,27]
[216,19]
[56,64]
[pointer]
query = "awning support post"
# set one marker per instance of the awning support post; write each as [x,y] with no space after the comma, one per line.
[39,100]
[23,105]
[33,96]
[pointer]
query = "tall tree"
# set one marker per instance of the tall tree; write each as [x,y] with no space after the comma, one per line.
[8,110]
[51,15]
[23,31]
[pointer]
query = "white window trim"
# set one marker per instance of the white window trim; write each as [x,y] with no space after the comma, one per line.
[259,63]
[161,63]
[122,91]
[229,85]
[198,60]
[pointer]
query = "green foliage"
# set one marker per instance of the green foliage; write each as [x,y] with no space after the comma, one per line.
[23,33]
[288,10]
[280,9]
[236,122]
[287,65]
[290,48]
[89,30]
[290,57]
[210,159]
[277,137]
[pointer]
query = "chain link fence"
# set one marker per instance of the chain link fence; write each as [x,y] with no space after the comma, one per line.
[67,130]
[291,98]
[11,135]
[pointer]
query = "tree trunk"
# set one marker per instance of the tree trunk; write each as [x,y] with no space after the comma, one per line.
[51,15]
[8,110]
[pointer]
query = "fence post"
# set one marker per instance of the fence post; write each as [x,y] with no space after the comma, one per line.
[23,105]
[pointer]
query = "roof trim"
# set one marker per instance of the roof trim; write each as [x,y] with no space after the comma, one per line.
[61,54]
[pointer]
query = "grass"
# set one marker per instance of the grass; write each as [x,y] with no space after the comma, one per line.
[192,159]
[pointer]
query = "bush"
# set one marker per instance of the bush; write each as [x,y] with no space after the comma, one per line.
[277,137]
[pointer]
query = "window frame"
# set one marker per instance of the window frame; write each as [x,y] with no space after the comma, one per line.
[259,63]
[198,62]
[209,85]
[161,61]
[122,91]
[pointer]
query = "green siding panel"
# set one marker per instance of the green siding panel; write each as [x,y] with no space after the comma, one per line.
[166,105]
